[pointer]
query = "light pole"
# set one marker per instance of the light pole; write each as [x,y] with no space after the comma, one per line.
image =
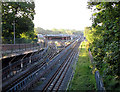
[14,30]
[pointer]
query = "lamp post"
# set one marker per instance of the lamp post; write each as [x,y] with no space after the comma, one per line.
[14,30]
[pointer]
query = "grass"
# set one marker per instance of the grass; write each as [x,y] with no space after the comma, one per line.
[83,78]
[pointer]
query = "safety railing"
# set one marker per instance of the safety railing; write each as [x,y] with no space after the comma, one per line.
[8,49]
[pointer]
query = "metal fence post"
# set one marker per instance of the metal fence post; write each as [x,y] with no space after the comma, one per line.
[30,46]
[33,46]
[11,49]
[25,46]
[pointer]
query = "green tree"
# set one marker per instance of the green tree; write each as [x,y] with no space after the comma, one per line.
[105,35]
[57,31]
[22,13]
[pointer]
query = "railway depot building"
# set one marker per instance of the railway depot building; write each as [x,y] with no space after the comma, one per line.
[58,37]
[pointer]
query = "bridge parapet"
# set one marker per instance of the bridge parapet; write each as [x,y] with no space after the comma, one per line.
[9,50]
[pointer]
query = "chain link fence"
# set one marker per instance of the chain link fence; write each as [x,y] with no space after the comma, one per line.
[10,40]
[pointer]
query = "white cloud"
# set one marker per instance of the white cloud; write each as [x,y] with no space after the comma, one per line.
[69,14]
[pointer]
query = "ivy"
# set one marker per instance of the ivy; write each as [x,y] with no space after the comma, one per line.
[103,37]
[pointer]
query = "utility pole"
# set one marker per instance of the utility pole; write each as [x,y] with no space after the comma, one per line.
[14,30]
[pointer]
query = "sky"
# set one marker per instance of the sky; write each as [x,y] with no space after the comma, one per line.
[62,14]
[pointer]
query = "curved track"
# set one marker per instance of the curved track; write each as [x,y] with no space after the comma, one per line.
[23,79]
[27,72]
[56,80]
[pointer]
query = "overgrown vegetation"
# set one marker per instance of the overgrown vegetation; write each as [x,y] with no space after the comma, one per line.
[83,78]
[103,37]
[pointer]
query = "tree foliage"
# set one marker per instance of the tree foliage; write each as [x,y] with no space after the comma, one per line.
[104,40]
[20,13]
[58,31]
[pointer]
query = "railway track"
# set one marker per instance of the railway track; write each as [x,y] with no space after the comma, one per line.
[50,66]
[15,66]
[56,80]
[24,74]
[10,86]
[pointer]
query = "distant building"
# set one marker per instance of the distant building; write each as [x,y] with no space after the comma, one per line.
[58,37]
[40,37]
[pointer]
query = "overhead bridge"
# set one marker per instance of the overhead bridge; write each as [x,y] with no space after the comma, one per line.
[57,37]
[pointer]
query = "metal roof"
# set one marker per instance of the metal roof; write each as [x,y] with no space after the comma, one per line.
[60,35]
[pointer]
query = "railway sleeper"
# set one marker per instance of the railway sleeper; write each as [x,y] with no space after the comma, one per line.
[26,79]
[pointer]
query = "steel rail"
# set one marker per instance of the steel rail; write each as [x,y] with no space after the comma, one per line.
[53,83]
[24,75]
[28,76]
